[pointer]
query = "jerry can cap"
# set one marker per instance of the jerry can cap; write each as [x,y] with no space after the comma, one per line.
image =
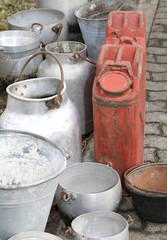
[114,83]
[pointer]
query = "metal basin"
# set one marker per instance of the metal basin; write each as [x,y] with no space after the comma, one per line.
[147,184]
[32,235]
[88,187]
[100,225]
[49,23]
[29,168]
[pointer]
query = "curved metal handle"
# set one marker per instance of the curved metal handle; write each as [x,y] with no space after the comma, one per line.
[66,197]
[69,232]
[129,219]
[77,55]
[58,98]
[38,24]
[57,29]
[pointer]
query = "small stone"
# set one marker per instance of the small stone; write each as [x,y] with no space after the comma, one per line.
[152,67]
[154,42]
[160,21]
[157,106]
[156,50]
[151,58]
[152,128]
[164,43]
[157,96]
[158,35]
[162,10]
[159,76]
[164,129]
[158,28]
[147,75]
[156,86]
[154,141]
[161,59]
[162,156]
[161,15]
[149,155]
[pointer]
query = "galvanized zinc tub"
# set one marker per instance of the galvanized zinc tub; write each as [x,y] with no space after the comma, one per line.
[29,168]
[92,19]
[34,235]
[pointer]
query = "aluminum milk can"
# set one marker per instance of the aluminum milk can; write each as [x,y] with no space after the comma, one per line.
[41,106]
[117,107]
[78,74]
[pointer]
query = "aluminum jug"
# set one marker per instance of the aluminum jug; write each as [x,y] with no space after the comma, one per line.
[79,73]
[41,106]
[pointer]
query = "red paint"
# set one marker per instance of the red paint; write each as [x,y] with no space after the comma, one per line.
[118,109]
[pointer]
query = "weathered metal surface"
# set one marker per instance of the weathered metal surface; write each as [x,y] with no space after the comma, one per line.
[32,235]
[100,225]
[29,168]
[15,49]
[92,19]
[48,18]
[88,187]
[78,73]
[38,106]
[147,184]
[118,115]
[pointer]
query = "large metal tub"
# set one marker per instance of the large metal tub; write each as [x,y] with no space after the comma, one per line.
[29,168]
[32,235]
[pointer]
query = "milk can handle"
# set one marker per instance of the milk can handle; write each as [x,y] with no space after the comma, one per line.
[58,98]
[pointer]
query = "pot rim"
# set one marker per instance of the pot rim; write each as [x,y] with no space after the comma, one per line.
[35,41]
[68,42]
[139,191]
[35,10]
[93,3]
[95,193]
[35,234]
[108,213]
[15,187]
[33,99]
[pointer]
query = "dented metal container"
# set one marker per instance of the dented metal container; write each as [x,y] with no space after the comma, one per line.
[79,74]
[30,165]
[50,24]
[16,47]
[41,105]
[117,107]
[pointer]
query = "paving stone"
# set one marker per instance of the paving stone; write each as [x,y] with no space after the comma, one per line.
[155,228]
[154,42]
[148,75]
[164,43]
[154,117]
[161,15]
[151,58]
[161,59]
[159,76]
[158,35]
[156,50]
[163,4]
[157,106]
[126,204]
[152,128]
[157,96]
[158,28]
[156,86]
[160,21]
[135,235]
[162,10]
[136,221]
[154,141]
[162,156]
[149,155]
[153,67]
[164,129]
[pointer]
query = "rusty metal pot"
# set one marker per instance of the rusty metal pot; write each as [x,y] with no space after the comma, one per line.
[147,183]
[51,24]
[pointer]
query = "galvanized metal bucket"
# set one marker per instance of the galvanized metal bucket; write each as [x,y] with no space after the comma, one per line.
[29,168]
[92,19]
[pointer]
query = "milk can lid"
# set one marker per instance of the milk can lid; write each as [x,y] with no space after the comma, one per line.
[115,83]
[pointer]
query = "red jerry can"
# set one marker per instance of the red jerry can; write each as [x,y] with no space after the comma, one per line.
[117,107]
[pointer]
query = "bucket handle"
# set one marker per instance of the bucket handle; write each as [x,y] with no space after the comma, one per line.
[58,98]
[77,56]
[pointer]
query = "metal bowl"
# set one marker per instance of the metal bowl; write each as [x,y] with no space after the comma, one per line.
[34,235]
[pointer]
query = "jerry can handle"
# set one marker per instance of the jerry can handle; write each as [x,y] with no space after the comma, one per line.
[58,98]
[111,66]
[124,39]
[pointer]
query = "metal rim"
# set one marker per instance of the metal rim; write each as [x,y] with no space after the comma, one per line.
[140,191]
[43,139]
[97,213]
[89,163]
[35,42]
[35,234]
